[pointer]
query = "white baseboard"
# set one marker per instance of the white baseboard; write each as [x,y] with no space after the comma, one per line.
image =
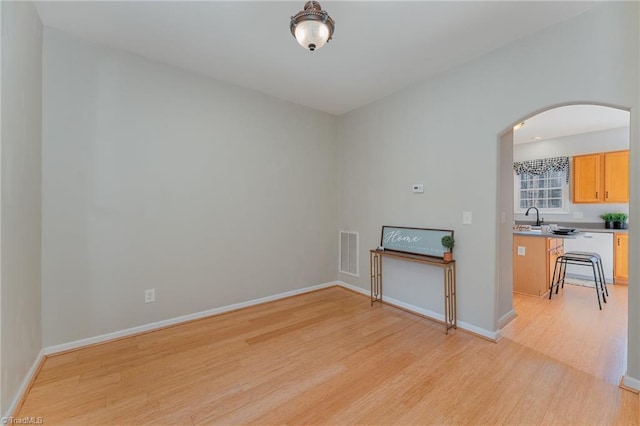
[24,386]
[627,381]
[491,335]
[631,383]
[494,336]
[506,318]
[354,288]
[50,350]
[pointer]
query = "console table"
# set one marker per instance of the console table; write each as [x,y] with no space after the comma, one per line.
[449,271]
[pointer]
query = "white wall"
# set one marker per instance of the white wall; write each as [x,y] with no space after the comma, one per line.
[154,177]
[444,133]
[20,198]
[588,143]
[100,163]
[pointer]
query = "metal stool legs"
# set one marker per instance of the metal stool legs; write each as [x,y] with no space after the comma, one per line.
[558,276]
[584,259]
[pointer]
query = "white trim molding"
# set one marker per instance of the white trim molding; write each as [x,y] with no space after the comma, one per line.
[506,318]
[24,386]
[50,350]
[630,383]
[354,288]
[491,335]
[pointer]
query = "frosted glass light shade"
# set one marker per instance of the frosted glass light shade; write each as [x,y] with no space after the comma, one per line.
[312,35]
[312,27]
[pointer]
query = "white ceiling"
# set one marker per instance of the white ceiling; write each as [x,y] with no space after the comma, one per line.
[570,120]
[379,47]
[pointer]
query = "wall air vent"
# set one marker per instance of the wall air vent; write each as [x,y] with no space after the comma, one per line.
[349,253]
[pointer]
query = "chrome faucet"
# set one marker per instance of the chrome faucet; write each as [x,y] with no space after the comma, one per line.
[538,220]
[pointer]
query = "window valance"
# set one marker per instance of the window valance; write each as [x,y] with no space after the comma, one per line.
[543,165]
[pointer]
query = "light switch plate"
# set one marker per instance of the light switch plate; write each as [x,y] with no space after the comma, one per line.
[466,218]
[150,295]
[521,250]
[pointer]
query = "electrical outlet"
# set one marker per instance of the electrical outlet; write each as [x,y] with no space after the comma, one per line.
[522,251]
[578,215]
[150,295]
[466,218]
[417,188]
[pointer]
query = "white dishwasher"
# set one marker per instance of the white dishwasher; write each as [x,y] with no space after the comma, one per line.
[597,242]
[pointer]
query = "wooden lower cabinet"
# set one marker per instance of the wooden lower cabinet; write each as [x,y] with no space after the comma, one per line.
[621,255]
[555,248]
[533,262]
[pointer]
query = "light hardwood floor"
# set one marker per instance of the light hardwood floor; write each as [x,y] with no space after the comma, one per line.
[323,358]
[571,329]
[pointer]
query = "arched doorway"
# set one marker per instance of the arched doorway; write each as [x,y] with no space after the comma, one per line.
[506,203]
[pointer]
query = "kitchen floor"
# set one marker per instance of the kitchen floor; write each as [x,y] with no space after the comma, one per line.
[571,329]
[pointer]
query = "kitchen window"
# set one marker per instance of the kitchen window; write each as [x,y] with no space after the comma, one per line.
[547,191]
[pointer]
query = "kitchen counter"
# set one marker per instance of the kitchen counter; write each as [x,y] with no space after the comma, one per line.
[603,230]
[538,233]
[580,227]
[611,244]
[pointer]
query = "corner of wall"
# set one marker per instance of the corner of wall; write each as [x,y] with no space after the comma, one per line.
[20,143]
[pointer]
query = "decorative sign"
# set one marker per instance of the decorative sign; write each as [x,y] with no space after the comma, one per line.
[414,240]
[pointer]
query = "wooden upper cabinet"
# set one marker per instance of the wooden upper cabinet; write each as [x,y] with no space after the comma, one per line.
[587,182]
[616,177]
[601,178]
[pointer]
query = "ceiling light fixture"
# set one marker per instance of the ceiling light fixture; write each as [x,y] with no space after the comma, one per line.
[518,126]
[312,27]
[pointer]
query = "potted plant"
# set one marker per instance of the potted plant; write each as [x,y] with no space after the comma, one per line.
[448,242]
[608,219]
[620,220]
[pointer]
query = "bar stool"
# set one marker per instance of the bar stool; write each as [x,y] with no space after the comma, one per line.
[601,271]
[585,259]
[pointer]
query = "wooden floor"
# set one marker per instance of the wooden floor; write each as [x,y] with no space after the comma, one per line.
[571,329]
[328,358]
